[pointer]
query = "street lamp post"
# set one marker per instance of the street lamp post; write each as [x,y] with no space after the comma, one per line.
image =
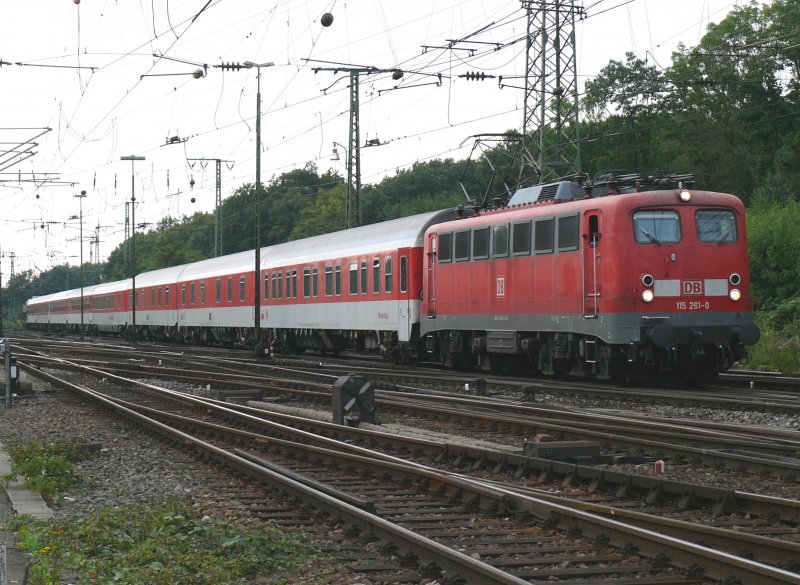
[133,159]
[80,202]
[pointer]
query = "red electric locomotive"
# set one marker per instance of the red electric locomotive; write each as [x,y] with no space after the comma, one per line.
[579,279]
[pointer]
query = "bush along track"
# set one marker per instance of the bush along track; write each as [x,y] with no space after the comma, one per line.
[166,542]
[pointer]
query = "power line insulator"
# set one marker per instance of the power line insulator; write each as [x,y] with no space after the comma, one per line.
[477,76]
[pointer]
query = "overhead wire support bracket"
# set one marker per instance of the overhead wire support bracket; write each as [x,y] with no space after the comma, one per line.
[353,205]
[196,74]
[21,64]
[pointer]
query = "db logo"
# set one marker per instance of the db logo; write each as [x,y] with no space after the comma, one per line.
[501,286]
[692,287]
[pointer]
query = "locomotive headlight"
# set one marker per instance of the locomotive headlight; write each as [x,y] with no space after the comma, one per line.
[735,294]
[647,296]
[685,195]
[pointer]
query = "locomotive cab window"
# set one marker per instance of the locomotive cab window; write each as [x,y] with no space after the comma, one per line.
[445,248]
[568,233]
[657,226]
[462,246]
[543,244]
[500,241]
[521,238]
[480,243]
[716,226]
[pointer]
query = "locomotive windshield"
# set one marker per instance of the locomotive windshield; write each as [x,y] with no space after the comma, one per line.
[716,226]
[657,227]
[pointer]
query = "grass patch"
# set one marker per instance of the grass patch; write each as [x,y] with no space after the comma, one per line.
[47,468]
[154,544]
[775,351]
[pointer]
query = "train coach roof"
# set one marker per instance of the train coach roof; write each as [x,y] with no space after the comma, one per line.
[219,266]
[54,297]
[388,235]
[405,232]
[107,288]
[162,276]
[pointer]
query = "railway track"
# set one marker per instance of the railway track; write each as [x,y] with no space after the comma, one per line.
[622,435]
[747,391]
[523,503]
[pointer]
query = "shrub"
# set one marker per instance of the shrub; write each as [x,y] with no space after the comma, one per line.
[47,468]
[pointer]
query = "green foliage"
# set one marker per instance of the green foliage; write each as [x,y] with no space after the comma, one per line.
[164,543]
[779,346]
[784,319]
[774,238]
[47,468]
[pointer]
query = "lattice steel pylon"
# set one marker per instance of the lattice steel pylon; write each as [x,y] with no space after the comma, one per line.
[353,206]
[551,133]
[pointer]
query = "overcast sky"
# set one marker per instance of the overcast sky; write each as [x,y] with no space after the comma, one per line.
[82,76]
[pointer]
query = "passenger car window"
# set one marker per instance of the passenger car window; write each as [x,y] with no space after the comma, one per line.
[657,226]
[364,277]
[716,226]
[354,278]
[387,273]
[328,281]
